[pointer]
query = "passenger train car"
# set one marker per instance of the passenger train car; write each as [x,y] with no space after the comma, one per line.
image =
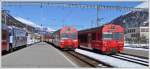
[19,36]
[48,37]
[66,38]
[13,37]
[108,39]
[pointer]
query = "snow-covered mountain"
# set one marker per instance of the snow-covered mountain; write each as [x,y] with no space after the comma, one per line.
[133,19]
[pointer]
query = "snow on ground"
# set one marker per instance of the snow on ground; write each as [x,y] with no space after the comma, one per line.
[141,49]
[145,60]
[126,44]
[109,60]
[143,46]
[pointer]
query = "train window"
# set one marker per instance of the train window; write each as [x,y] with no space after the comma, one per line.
[117,36]
[83,38]
[93,36]
[73,35]
[64,35]
[107,35]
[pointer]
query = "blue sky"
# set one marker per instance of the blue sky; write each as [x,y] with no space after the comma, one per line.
[56,16]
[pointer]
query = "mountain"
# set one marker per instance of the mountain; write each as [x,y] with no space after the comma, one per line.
[133,19]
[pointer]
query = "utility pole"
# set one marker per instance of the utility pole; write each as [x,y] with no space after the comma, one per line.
[100,19]
[5,15]
[97,8]
[91,23]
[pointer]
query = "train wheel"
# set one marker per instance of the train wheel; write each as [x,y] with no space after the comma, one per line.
[96,50]
[79,46]
[113,51]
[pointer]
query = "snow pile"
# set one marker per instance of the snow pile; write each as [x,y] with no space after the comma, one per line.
[109,60]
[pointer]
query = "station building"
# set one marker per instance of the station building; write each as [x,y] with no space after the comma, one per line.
[137,35]
[9,20]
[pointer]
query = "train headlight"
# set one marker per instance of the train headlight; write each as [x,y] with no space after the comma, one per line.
[75,40]
[61,41]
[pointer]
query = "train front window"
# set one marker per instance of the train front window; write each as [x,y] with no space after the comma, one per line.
[107,36]
[64,36]
[73,35]
[117,36]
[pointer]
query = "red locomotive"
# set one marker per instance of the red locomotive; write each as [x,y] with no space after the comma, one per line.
[109,38]
[66,38]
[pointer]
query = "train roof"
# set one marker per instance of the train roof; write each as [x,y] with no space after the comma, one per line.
[62,28]
[95,28]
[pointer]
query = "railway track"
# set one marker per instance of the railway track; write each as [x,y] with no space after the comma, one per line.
[130,58]
[93,62]
[87,60]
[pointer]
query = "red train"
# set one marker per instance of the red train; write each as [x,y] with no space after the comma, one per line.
[109,38]
[66,38]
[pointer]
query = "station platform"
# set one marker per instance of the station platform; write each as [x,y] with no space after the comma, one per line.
[38,55]
[137,51]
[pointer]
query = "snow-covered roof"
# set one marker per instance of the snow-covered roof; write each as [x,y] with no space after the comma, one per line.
[50,29]
[25,21]
[30,23]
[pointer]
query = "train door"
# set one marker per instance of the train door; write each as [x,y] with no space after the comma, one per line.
[89,40]
[5,42]
[118,40]
[93,40]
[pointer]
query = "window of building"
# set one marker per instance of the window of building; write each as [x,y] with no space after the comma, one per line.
[142,30]
[133,35]
[146,30]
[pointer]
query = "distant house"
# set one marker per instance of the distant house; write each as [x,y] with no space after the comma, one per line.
[137,35]
[136,26]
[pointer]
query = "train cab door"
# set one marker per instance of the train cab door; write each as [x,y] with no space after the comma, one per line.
[118,40]
[89,40]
